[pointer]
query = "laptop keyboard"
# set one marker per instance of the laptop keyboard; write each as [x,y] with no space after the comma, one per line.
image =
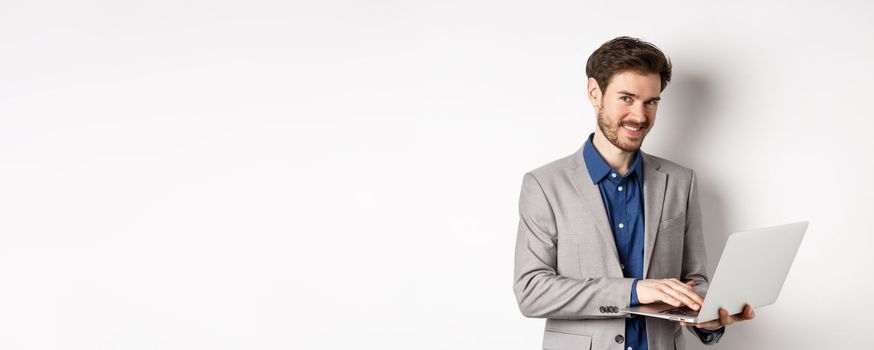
[680,311]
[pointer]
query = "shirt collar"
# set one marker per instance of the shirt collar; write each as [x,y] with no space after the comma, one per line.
[599,169]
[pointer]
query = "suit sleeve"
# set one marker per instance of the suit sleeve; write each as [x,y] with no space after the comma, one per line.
[695,258]
[540,291]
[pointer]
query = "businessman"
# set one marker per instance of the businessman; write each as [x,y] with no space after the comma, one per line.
[611,226]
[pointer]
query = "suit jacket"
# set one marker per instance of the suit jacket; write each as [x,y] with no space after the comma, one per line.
[566,265]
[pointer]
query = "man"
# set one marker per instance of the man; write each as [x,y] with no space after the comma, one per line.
[611,226]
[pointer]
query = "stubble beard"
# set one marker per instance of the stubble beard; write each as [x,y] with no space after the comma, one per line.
[611,132]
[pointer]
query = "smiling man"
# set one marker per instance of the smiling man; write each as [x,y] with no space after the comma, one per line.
[610,226]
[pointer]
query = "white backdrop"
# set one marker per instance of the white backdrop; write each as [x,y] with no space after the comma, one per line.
[345,174]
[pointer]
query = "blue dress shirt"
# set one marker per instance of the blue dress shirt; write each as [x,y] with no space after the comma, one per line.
[623,201]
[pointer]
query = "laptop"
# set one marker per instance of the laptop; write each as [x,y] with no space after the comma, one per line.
[752,269]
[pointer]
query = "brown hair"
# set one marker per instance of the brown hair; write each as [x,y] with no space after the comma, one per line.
[624,54]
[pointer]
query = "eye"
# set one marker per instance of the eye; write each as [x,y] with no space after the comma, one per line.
[625,98]
[653,102]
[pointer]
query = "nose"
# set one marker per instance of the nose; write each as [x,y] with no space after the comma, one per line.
[638,113]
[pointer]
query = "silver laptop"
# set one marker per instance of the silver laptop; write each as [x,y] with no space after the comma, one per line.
[752,270]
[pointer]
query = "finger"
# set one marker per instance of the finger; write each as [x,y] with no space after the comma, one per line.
[691,283]
[680,296]
[749,313]
[710,324]
[668,299]
[687,293]
[687,289]
[724,317]
[676,282]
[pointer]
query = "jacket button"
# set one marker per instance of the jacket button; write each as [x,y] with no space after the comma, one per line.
[603,310]
[620,339]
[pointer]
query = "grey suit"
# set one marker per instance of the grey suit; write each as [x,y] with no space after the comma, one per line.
[566,265]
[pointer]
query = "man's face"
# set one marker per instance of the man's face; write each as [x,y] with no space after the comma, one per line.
[628,108]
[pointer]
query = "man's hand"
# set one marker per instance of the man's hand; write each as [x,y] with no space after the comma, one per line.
[724,319]
[670,291]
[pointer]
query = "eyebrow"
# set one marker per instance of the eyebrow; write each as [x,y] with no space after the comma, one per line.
[623,92]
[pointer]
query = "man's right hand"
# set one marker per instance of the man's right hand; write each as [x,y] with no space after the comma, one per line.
[670,291]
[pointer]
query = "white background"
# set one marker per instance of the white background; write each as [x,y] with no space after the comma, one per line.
[346,174]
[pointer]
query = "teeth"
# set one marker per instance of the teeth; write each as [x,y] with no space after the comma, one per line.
[630,128]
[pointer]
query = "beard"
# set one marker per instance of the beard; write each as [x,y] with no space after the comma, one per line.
[611,131]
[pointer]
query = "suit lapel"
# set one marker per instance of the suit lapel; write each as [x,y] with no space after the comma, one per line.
[591,195]
[654,184]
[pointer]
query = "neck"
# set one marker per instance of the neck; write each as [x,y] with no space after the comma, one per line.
[617,158]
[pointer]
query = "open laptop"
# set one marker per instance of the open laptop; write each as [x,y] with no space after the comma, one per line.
[752,269]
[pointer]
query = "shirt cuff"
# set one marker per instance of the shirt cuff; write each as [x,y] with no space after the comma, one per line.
[634,301]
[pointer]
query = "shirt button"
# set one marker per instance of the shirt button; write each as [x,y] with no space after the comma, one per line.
[621,266]
[620,188]
[619,339]
[629,348]
[613,175]
[621,225]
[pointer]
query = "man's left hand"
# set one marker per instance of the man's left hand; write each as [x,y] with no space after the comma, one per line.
[725,319]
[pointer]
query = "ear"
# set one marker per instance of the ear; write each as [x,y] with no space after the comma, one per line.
[593,92]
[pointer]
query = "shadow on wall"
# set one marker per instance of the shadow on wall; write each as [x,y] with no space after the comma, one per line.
[694,100]
[695,104]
